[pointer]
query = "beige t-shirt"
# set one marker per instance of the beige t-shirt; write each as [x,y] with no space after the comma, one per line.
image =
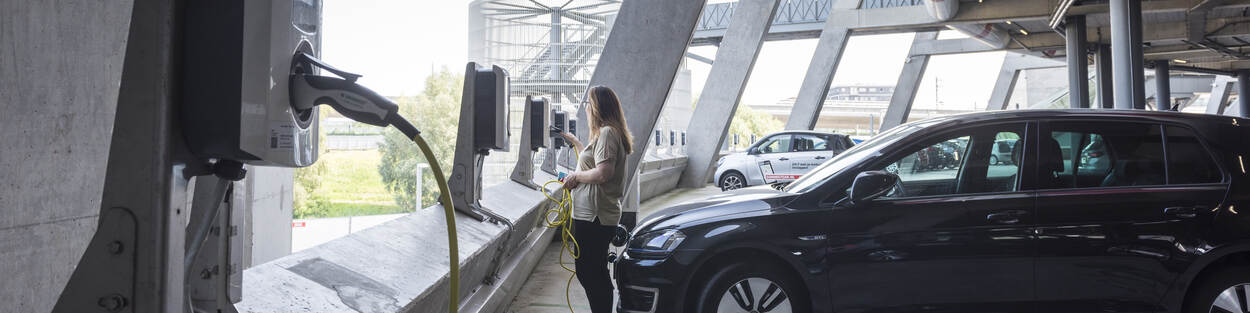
[601,200]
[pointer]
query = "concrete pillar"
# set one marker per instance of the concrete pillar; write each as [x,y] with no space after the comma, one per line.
[1243,93]
[1078,66]
[1220,90]
[820,71]
[819,74]
[1008,74]
[1126,54]
[59,128]
[908,84]
[725,82]
[640,61]
[1163,87]
[1102,76]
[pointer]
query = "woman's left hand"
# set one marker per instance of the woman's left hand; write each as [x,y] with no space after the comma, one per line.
[570,181]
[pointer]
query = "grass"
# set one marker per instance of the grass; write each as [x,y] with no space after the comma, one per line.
[353,185]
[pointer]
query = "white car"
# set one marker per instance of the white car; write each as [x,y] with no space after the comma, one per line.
[778,158]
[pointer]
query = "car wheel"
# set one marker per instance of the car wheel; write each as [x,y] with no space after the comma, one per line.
[731,181]
[1224,291]
[993,160]
[751,288]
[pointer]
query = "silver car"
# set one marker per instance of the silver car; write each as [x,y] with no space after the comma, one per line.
[778,158]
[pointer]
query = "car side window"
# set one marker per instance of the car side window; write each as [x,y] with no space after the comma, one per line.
[805,143]
[1188,161]
[959,163]
[776,144]
[1105,154]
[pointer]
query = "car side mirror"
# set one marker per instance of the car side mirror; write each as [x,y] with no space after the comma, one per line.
[753,150]
[870,185]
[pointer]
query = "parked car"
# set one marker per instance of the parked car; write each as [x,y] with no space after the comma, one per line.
[1002,151]
[1157,230]
[778,158]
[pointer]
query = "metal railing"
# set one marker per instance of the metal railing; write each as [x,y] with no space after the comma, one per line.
[717,16]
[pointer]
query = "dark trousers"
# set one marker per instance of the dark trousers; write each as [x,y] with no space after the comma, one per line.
[592,263]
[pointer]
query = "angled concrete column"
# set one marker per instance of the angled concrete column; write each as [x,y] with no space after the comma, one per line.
[1008,74]
[1163,87]
[908,84]
[725,82]
[1102,76]
[1078,66]
[820,71]
[640,61]
[1220,90]
[1126,54]
[1243,93]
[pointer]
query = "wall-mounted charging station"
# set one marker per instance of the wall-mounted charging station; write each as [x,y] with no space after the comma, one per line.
[535,134]
[238,55]
[483,127]
[559,123]
[568,157]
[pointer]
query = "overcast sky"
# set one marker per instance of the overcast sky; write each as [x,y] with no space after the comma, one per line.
[395,44]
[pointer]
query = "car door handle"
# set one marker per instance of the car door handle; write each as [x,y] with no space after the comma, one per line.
[1181,211]
[820,158]
[1006,217]
[783,159]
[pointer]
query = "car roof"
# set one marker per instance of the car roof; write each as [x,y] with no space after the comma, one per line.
[805,132]
[990,116]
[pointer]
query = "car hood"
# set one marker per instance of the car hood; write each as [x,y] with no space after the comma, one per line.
[727,203]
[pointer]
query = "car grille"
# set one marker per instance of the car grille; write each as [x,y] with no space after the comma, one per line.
[637,300]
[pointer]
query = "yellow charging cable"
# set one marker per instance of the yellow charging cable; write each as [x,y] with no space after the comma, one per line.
[450,210]
[560,217]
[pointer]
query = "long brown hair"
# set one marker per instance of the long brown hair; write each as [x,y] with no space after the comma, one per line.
[605,110]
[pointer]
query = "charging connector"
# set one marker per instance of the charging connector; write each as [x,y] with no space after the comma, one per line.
[366,106]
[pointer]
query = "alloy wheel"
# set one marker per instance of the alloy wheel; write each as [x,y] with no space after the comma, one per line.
[1232,300]
[755,295]
[731,182]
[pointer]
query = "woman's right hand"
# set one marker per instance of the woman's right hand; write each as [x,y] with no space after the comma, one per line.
[571,139]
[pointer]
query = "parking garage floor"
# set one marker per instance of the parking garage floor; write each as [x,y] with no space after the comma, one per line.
[544,289]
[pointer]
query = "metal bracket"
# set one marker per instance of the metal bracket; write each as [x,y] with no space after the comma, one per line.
[110,257]
[549,160]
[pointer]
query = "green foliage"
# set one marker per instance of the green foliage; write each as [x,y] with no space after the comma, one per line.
[309,200]
[435,112]
[748,121]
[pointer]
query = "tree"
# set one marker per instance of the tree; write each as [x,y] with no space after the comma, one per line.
[435,112]
[748,121]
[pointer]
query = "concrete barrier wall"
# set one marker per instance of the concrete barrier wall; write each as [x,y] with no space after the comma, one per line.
[659,175]
[401,265]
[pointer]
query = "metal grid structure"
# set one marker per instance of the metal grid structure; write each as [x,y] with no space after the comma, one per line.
[549,49]
[717,16]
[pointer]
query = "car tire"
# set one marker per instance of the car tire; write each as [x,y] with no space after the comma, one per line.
[993,160]
[747,287]
[1220,289]
[732,180]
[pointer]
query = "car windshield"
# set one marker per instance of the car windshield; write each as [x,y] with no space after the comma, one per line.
[858,153]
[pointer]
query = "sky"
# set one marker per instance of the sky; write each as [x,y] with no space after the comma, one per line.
[395,44]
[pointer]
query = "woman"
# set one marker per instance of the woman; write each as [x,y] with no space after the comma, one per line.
[597,186]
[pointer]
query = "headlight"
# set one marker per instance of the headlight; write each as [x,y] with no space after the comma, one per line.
[656,244]
[720,161]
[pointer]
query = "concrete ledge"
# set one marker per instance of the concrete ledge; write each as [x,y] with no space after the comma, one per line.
[660,176]
[401,265]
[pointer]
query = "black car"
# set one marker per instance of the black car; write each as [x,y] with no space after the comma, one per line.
[1156,230]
